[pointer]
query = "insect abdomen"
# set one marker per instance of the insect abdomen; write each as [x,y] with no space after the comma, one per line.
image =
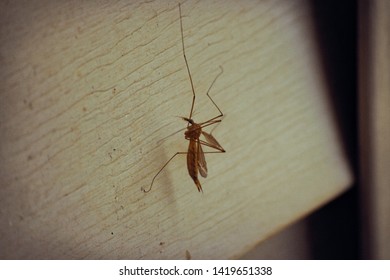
[192,165]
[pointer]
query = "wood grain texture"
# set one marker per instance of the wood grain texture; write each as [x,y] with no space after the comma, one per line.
[374,120]
[89,98]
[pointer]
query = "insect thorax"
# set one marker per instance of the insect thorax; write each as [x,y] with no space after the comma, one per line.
[193,131]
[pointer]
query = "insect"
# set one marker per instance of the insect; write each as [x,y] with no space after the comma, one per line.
[196,162]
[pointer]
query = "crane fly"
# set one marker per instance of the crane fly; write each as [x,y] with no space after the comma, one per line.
[196,161]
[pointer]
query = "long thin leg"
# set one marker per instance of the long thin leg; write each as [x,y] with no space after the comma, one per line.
[209,122]
[189,74]
[220,73]
[188,68]
[203,124]
[178,153]
[217,124]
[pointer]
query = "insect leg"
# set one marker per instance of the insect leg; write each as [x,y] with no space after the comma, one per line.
[188,68]
[178,153]
[221,114]
[209,122]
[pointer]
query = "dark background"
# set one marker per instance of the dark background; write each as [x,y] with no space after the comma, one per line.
[334,230]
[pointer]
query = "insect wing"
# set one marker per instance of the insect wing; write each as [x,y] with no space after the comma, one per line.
[202,162]
[192,159]
[212,141]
